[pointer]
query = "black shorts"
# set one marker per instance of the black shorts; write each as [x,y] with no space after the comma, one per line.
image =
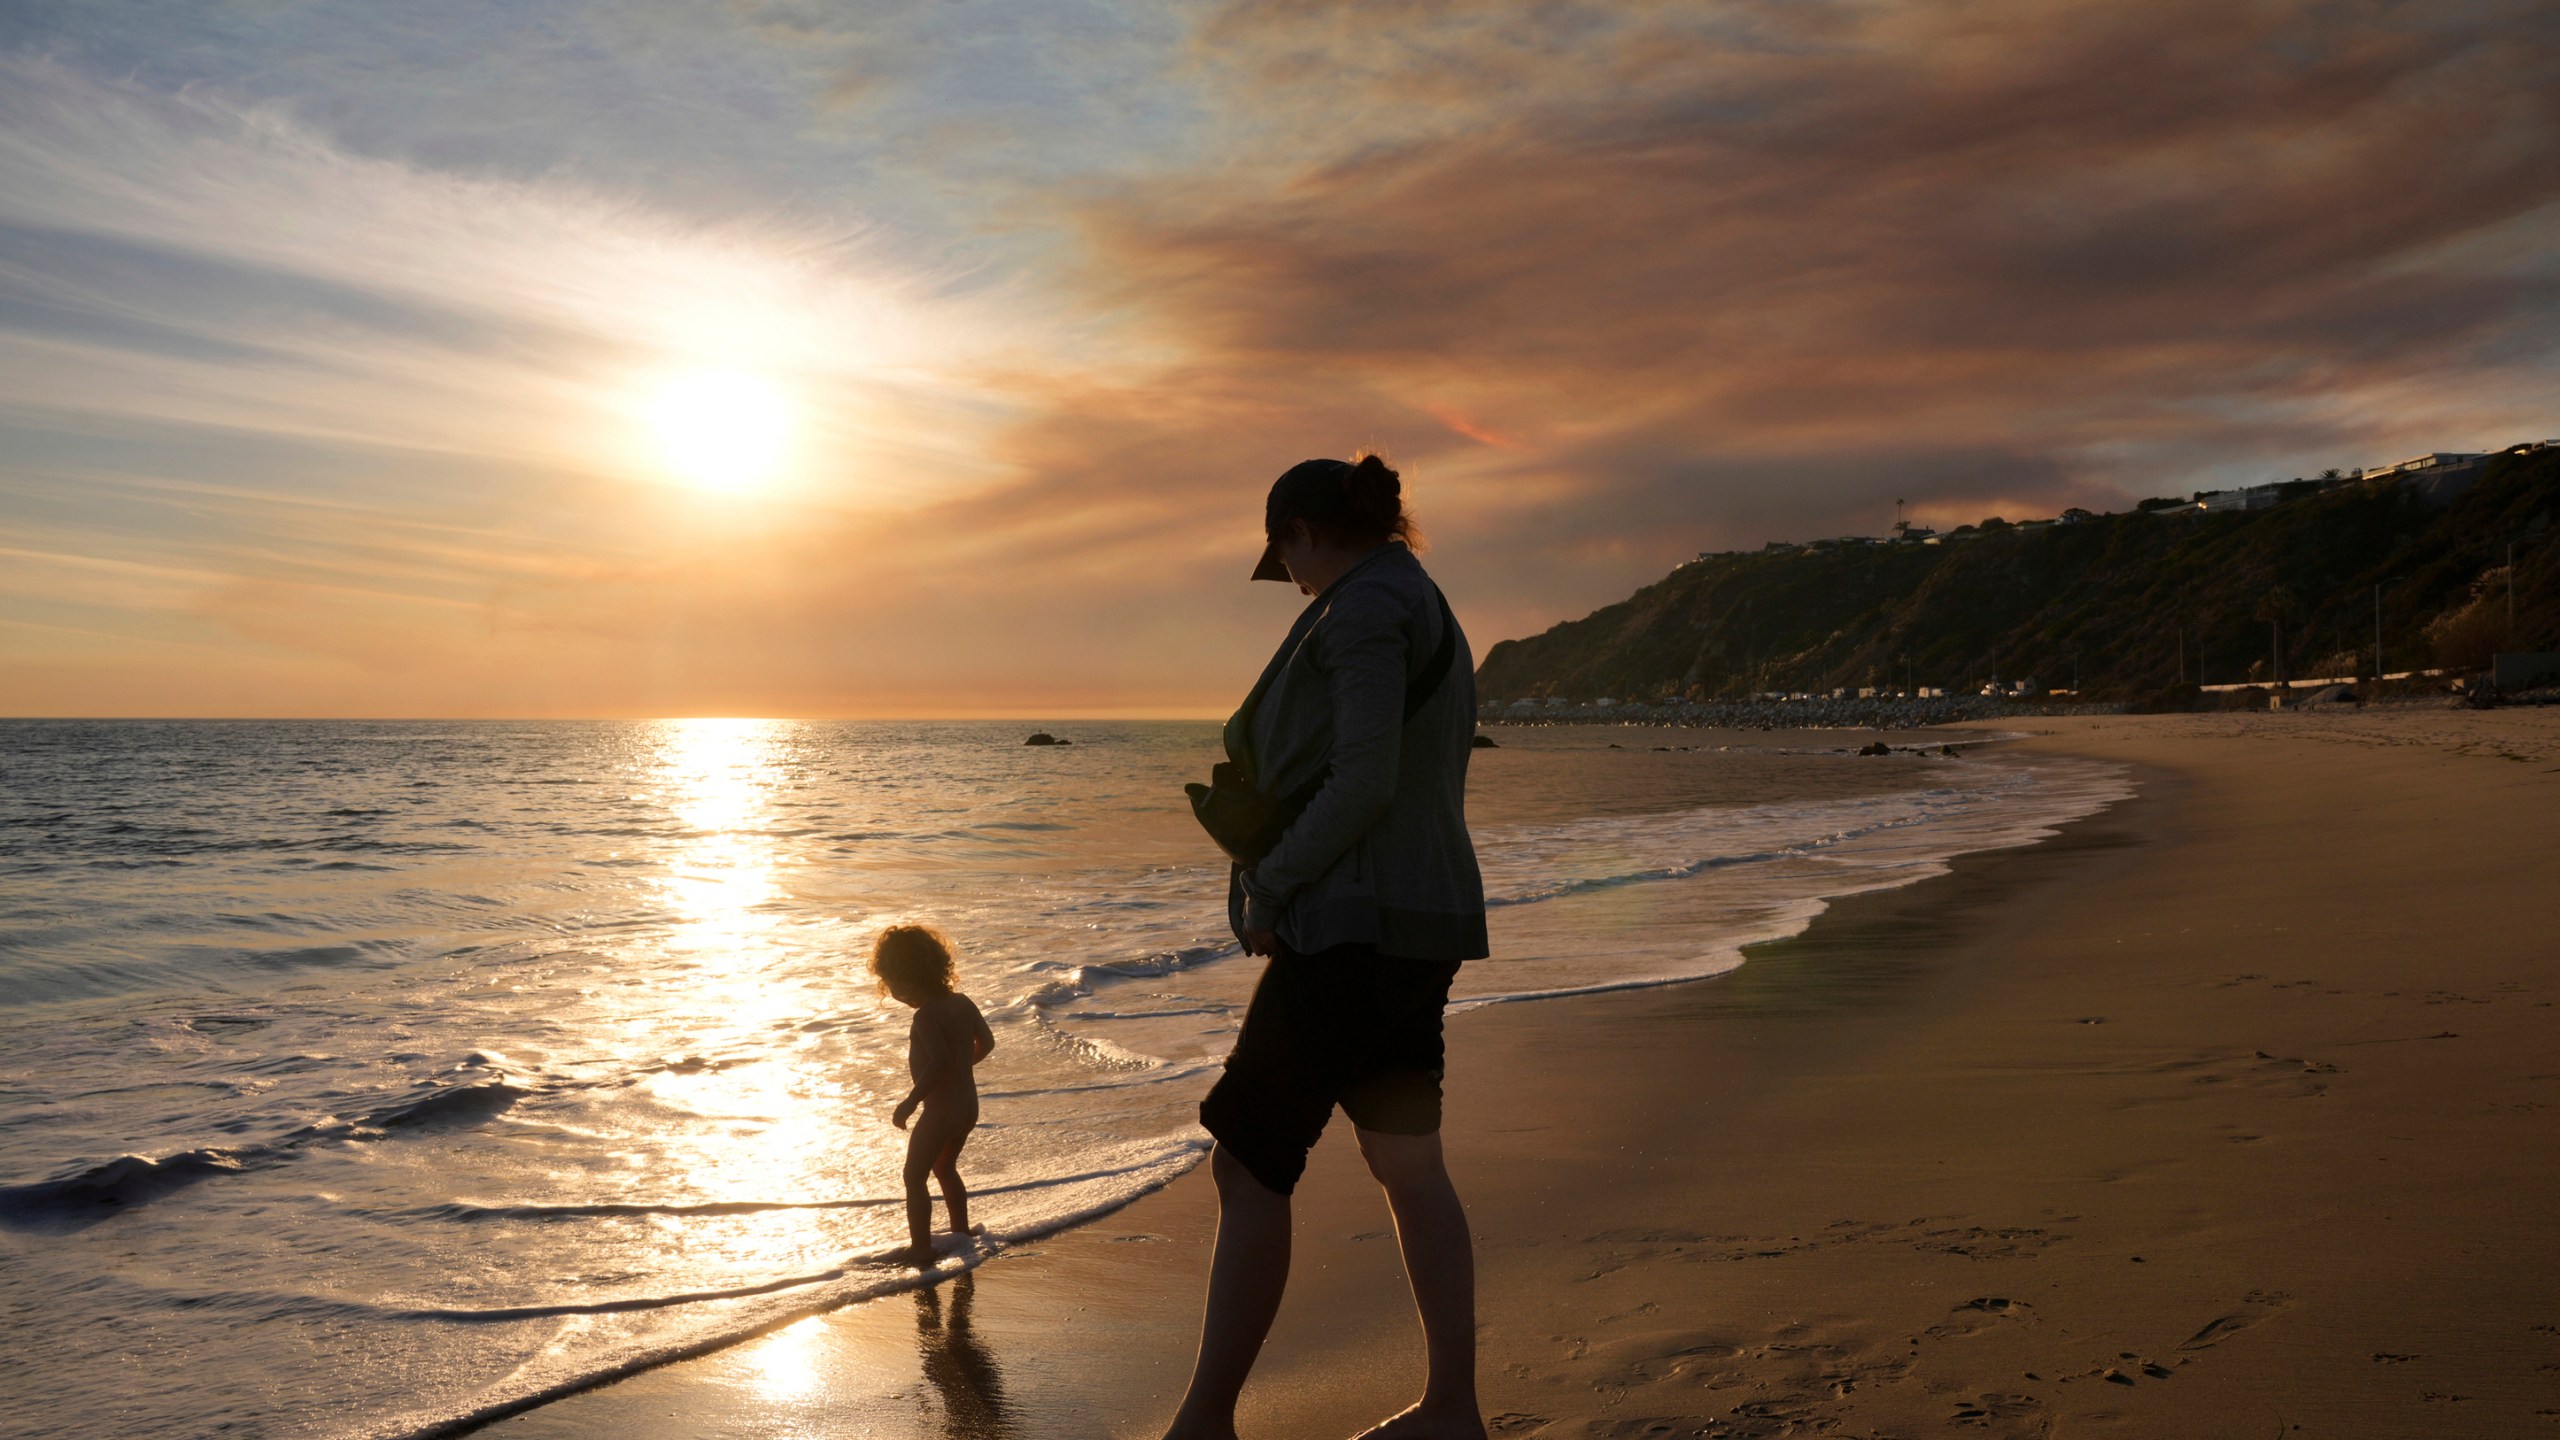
[1346,1026]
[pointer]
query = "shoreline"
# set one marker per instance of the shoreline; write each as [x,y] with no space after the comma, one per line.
[1975,739]
[1182,1214]
[1955,1085]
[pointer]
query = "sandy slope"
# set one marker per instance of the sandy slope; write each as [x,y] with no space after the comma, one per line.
[2235,1112]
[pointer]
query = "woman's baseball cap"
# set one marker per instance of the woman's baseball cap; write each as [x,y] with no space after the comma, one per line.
[1308,488]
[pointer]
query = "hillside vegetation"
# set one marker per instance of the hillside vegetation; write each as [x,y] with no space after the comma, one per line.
[2127,598]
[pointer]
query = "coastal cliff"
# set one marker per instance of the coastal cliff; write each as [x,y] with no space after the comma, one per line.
[2129,605]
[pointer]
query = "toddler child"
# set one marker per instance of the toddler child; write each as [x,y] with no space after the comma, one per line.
[944,1044]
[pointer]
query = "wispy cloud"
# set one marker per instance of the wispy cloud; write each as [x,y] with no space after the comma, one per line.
[1725,266]
[321,342]
[341,396]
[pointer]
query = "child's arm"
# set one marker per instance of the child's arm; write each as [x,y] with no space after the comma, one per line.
[927,1057]
[984,1039]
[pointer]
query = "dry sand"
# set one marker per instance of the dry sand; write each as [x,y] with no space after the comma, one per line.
[2233,1112]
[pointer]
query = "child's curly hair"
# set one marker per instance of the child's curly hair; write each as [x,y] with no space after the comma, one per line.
[917,954]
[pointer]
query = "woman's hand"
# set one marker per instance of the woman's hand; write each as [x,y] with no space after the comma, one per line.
[1261,942]
[906,1109]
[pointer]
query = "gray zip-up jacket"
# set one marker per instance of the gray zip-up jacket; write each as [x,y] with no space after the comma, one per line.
[1380,856]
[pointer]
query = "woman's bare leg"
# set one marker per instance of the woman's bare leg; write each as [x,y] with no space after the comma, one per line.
[1440,1262]
[1246,1278]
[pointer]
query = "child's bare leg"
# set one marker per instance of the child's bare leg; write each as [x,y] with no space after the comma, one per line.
[955,1195]
[920,1158]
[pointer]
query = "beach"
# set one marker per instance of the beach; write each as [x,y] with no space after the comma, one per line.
[2231,1111]
[542,550]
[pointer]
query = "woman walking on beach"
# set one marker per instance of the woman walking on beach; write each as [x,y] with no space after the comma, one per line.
[1364,906]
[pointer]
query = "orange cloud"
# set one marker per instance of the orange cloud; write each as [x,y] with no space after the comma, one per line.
[1614,282]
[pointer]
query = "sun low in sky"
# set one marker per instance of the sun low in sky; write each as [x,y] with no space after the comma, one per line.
[602,358]
[723,429]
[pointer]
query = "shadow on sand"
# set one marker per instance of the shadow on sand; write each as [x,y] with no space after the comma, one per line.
[960,1370]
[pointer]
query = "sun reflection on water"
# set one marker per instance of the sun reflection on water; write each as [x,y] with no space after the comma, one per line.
[721,883]
[786,1361]
[749,1104]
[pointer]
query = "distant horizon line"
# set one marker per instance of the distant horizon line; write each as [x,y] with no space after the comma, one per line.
[1022,716]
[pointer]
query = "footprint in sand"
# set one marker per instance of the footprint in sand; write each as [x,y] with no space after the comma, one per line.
[1981,1410]
[2218,1331]
[1981,1313]
[2259,1304]
[1979,1243]
[2309,1067]
[1662,1354]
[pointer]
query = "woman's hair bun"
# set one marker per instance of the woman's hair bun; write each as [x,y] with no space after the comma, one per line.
[1374,495]
[1355,502]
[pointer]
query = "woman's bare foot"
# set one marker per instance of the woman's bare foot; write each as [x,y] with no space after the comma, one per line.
[1187,1428]
[1427,1421]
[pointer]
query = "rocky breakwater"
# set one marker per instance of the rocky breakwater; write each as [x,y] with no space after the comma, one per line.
[1823,713]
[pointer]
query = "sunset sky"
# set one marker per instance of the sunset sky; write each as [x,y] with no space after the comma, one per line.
[785,357]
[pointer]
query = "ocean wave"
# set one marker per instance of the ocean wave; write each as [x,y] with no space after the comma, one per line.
[1091,1050]
[1676,870]
[1076,982]
[115,1186]
[474,1212]
[1172,1014]
[1683,844]
[87,1194]
[1707,971]
[784,1302]
[468,1104]
[1153,1073]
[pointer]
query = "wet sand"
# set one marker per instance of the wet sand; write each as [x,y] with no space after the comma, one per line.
[2232,1112]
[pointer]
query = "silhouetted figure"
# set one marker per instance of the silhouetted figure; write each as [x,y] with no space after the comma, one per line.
[1365,901]
[944,1045]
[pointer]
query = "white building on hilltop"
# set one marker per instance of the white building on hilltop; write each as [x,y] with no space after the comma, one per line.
[2433,460]
[2252,497]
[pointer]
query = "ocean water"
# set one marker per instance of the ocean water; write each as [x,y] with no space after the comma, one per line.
[357,1079]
